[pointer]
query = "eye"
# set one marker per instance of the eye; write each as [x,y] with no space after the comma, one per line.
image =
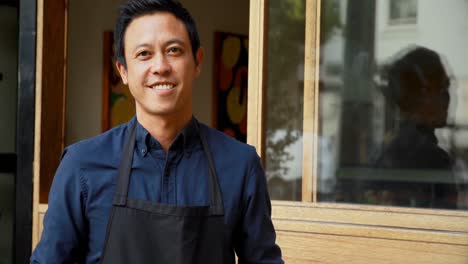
[143,54]
[174,50]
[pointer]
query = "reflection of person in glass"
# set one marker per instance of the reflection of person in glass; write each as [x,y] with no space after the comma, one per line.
[418,84]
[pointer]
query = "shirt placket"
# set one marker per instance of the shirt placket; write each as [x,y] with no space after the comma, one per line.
[168,186]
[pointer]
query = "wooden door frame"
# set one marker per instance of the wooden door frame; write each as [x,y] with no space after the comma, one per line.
[51,68]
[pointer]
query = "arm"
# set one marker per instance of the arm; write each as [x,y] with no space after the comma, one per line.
[63,238]
[256,243]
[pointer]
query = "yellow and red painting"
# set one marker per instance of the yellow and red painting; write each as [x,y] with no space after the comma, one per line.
[230,84]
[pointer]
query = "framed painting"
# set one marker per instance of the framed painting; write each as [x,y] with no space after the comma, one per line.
[118,105]
[230,84]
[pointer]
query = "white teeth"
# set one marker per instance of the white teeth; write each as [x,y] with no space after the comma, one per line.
[163,86]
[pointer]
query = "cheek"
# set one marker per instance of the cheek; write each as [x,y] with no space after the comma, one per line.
[137,74]
[189,71]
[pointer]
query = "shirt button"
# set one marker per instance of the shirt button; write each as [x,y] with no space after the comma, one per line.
[143,151]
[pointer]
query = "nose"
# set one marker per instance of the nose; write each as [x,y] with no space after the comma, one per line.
[160,65]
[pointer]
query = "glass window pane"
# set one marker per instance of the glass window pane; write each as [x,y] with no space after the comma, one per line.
[393,103]
[284,98]
[7,192]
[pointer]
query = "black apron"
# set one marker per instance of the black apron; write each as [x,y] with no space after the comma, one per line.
[143,232]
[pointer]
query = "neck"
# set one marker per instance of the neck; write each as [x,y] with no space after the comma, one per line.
[164,128]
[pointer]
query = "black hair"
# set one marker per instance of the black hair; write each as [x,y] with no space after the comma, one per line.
[137,8]
[409,72]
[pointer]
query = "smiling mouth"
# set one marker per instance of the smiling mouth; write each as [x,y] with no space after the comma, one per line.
[166,86]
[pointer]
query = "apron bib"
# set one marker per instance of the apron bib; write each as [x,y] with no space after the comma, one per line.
[143,232]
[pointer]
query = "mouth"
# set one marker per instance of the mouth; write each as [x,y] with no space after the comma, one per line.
[162,86]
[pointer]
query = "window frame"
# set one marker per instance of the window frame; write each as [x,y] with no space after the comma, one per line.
[401,21]
[447,227]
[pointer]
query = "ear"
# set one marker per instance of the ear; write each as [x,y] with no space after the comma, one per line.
[199,59]
[122,71]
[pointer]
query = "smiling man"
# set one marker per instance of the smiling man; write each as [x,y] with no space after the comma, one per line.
[163,188]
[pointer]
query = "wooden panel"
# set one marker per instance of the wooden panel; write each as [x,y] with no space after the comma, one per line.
[257,74]
[310,122]
[52,129]
[37,123]
[42,208]
[41,226]
[322,248]
[321,242]
[377,216]
[364,231]
[343,233]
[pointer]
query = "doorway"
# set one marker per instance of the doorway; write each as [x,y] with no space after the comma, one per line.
[17,66]
[8,105]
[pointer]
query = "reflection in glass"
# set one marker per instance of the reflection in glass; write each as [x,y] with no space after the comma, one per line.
[403,12]
[393,105]
[284,96]
[418,86]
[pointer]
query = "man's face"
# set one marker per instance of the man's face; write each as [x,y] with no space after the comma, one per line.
[426,101]
[431,106]
[160,66]
[437,99]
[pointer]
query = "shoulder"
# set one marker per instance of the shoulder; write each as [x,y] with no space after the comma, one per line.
[104,148]
[221,143]
[232,157]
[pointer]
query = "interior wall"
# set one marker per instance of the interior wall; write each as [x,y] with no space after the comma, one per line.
[211,16]
[89,19]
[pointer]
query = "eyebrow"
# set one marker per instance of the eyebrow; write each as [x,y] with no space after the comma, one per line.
[167,43]
[175,41]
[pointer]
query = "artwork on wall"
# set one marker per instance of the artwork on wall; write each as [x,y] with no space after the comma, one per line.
[118,105]
[230,84]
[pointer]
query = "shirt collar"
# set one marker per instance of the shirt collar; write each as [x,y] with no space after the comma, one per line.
[185,140]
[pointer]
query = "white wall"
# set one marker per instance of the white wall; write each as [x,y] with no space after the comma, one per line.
[89,19]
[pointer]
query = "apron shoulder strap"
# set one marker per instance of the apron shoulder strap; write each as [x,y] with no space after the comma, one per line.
[216,200]
[123,177]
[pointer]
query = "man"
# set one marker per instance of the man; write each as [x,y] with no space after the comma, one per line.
[162,188]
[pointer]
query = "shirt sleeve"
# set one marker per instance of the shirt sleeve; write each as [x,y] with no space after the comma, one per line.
[63,236]
[257,239]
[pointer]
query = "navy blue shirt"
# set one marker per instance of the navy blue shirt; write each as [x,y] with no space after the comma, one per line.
[81,195]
